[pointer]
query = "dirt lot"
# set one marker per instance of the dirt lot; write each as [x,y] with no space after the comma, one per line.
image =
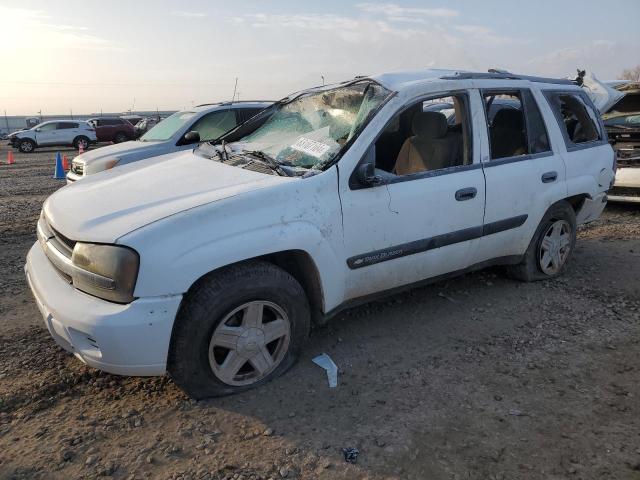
[477,378]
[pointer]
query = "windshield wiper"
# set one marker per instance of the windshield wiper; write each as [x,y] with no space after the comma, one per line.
[266,159]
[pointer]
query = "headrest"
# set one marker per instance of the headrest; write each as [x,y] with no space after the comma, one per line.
[508,118]
[429,125]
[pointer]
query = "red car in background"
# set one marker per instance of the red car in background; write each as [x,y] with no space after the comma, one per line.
[113,129]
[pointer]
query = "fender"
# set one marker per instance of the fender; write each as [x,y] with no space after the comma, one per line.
[180,249]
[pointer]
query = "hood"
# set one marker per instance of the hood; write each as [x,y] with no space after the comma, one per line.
[602,95]
[108,205]
[117,150]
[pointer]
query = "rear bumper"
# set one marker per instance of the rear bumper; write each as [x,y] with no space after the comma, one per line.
[627,186]
[131,339]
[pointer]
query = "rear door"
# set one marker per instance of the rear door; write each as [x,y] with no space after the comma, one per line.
[587,153]
[67,132]
[524,171]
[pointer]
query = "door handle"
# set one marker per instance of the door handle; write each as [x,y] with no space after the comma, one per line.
[549,177]
[466,194]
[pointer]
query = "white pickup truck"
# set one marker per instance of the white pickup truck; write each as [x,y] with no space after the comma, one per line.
[211,264]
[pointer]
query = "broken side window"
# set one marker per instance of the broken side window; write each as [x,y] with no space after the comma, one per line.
[577,118]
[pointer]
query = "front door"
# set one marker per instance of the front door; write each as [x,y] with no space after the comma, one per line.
[422,215]
[47,134]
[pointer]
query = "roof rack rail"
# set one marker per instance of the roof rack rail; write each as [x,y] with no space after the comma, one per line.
[495,74]
[228,102]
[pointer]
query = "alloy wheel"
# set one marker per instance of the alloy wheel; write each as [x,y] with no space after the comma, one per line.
[555,247]
[249,343]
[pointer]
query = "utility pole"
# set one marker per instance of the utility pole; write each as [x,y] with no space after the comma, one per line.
[71,112]
[6,120]
[322,76]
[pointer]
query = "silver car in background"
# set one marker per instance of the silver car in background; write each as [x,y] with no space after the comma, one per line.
[181,131]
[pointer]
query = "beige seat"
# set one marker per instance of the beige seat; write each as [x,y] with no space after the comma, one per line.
[430,148]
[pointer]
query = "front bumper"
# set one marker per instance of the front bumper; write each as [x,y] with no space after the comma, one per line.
[131,339]
[72,177]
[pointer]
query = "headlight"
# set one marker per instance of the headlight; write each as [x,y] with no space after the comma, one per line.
[106,271]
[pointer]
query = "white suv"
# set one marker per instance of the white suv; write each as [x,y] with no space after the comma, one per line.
[57,133]
[180,131]
[212,264]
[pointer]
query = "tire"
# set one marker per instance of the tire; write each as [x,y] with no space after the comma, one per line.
[214,325]
[81,140]
[120,137]
[26,145]
[536,265]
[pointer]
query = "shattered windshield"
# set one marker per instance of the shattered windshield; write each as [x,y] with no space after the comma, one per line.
[310,130]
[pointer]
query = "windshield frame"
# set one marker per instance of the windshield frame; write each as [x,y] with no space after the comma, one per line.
[312,91]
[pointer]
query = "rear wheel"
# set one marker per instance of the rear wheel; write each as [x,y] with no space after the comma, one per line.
[120,137]
[81,141]
[551,247]
[26,145]
[238,328]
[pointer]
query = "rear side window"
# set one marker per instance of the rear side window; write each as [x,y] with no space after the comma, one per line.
[65,125]
[577,118]
[515,124]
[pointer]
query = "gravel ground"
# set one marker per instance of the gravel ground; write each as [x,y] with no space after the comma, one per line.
[480,377]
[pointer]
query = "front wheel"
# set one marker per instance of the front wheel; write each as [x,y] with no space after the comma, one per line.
[238,328]
[551,247]
[81,142]
[120,137]
[26,145]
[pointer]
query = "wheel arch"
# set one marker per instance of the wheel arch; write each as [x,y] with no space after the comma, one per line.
[78,137]
[298,263]
[577,201]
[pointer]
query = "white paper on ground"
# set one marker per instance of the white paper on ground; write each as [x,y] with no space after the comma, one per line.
[325,362]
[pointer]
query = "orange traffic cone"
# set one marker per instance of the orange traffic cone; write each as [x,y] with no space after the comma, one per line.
[10,160]
[65,162]
[80,149]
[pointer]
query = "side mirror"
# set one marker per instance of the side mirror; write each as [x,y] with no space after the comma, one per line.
[38,129]
[367,175]
[191,137]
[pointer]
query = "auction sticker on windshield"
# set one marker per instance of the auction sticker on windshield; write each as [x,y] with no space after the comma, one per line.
[310,147]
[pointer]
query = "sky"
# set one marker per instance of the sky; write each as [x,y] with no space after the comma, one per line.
[87,56]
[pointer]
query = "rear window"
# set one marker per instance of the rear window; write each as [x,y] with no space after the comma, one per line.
[65,125]
[577,118]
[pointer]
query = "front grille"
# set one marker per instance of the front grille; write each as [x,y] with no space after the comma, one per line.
[63,243]
[624,192]
[53,241]
[77,168]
